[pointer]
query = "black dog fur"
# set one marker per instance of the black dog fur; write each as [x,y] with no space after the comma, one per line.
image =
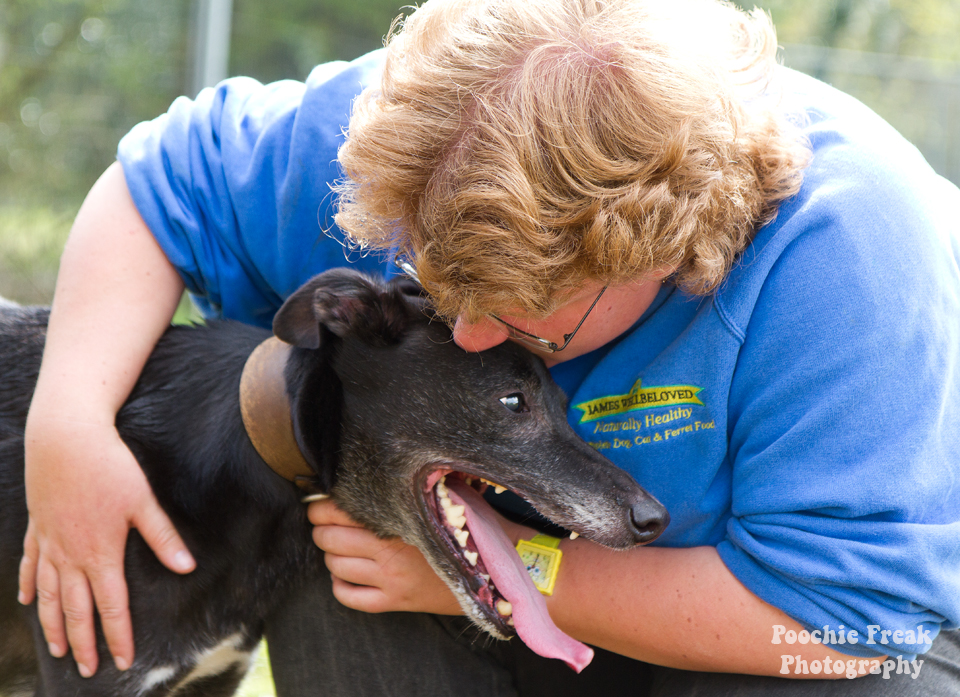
[380,397]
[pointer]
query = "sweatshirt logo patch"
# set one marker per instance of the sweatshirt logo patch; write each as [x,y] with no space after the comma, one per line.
[639,398]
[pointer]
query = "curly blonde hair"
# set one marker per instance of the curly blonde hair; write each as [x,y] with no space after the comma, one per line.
[515,149]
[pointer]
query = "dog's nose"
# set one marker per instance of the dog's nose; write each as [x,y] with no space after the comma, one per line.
[648,518]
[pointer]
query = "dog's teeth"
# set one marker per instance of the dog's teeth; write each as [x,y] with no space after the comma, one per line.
[471,557]
[442,487]
[485,577]
[468,480]
[497,489]
[504,608]
[510,622]
[574,535]
[445,502]
[462,537]
[455,516]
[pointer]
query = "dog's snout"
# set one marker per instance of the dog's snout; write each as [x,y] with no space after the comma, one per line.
[648,519]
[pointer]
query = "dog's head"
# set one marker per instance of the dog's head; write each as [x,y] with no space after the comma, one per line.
[425,428]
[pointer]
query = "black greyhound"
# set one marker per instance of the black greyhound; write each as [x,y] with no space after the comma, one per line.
[392,419]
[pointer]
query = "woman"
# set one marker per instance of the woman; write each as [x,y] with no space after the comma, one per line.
[774,355]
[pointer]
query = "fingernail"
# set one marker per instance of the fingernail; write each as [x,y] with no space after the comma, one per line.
[22,598]
[84,671]
[183,561]
[120,663]
[56,651]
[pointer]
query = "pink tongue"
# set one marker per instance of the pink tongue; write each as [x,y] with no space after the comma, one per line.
[530,614]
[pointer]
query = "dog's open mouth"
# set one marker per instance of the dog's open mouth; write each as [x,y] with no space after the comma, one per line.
[496,577]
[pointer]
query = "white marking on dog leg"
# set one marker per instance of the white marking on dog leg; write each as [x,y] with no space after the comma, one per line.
[218,659]
[156,677]
[27,691]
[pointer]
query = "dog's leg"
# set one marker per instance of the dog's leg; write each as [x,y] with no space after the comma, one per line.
[26,688]
[18,661]
[59,676]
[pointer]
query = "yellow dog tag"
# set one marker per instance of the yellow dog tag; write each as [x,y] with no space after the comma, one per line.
[542,558]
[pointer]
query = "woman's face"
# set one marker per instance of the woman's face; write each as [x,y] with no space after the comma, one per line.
[618,309]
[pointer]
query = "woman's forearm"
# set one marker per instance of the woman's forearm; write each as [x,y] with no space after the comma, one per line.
[674,607]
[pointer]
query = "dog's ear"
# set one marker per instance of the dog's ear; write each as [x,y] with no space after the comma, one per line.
[315,408]
[339,302]
[345,302]
[408,287]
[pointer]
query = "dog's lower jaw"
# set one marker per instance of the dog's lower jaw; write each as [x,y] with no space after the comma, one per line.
[522,599]
[459,562]
[484,571]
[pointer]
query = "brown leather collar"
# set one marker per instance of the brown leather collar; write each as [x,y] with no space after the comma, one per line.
[265,408]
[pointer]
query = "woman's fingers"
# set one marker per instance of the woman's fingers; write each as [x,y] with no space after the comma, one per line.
[327,512]
[49,609]
[28,567]
[157,530]
[359,597]
[354,570]
[110,595]
[77,604]
[350,541]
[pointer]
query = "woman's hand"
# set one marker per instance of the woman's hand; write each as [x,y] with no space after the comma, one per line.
[371,574]
[84,492]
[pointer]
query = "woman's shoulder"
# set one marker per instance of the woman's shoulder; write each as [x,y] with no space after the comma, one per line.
[870,210]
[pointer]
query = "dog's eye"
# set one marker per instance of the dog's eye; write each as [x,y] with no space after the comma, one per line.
[514,402]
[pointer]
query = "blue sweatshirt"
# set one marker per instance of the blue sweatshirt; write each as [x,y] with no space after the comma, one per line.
[804,420]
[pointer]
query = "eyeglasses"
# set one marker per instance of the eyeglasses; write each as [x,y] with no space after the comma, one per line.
[525,338]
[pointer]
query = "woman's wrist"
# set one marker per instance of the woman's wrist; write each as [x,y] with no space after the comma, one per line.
[68,404]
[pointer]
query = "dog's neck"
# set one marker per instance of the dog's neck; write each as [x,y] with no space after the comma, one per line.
[265,408]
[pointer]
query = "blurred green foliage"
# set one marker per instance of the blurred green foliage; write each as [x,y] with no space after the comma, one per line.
[31,239]
[259,681]
[919,28]
[286,39]
[74,76]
